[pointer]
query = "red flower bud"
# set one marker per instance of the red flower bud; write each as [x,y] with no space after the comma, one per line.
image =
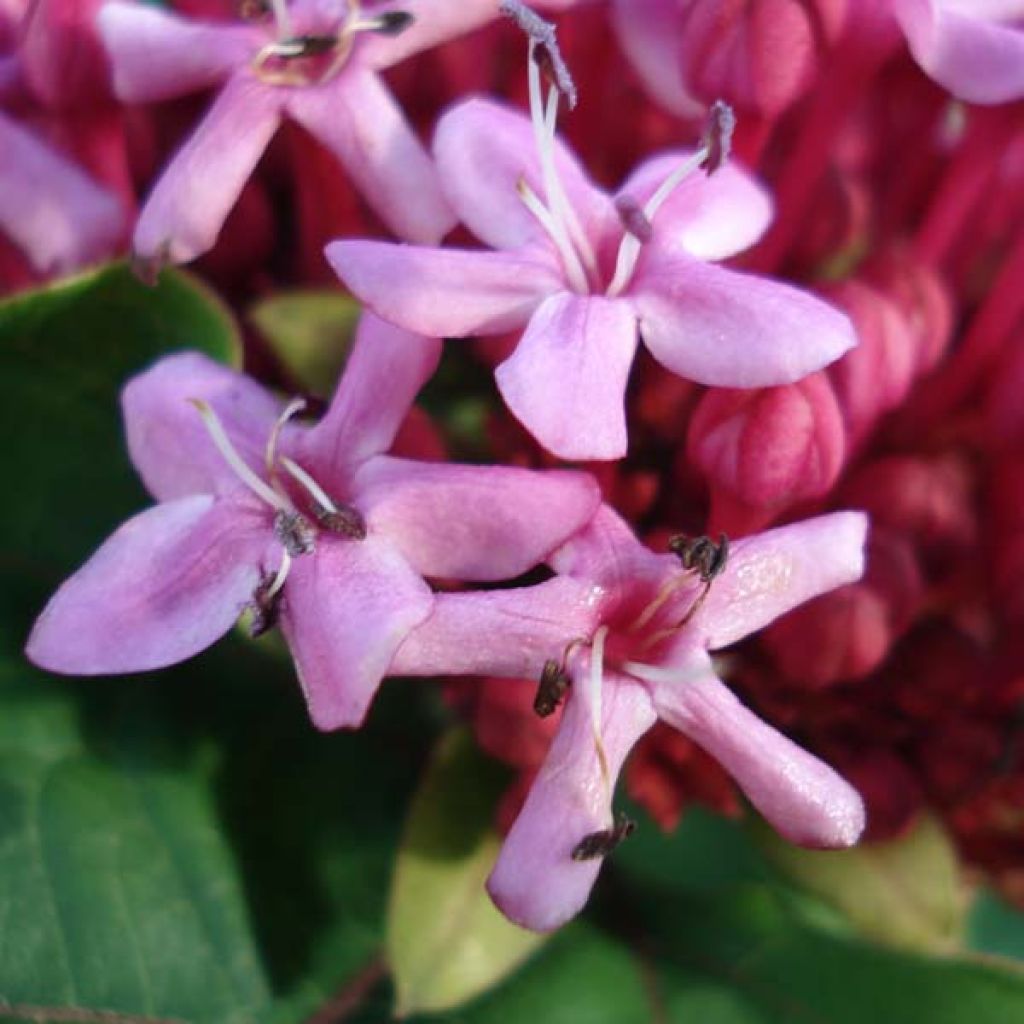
[766,449]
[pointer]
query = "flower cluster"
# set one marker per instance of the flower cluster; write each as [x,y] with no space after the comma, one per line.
[796,298]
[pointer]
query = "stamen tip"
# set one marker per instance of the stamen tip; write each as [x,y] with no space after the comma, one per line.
[718,135]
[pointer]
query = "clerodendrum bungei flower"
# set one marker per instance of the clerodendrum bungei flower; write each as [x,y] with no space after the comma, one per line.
[313,527]
[584,270]
[632,630]
[316,61]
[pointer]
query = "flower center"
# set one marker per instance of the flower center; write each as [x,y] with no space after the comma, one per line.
[313,58]
[296,529]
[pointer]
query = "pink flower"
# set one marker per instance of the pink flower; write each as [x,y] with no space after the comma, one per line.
[313,527]
[974,48]
[632,629]
[316,62]
[51,209]
[584,271]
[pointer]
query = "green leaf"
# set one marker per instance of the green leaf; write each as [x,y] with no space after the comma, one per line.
[906,891]
[65,350]
[446,941]
[995,927]
[310,332]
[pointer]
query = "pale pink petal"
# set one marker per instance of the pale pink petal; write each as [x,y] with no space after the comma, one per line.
[536,882]
[185,211]
[978,60]
[473,523]
[801,796]
[726,329]
[54,212]
[163,587]
[346,609]
[483,149]
[385,371]
[445,292]
[155,55]
[649,32]
[712,216]
[771,573]
[509,633]
[167,440]
[358,120]
[435,22]
[607,552]
[566,380]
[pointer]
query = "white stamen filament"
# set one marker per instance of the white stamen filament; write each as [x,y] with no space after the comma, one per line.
[235,461]
[665,592]
[296,405]
[545,151]
[318,493]
[557,198]
[282,18]
[282,574]
[595,681]
[629,248]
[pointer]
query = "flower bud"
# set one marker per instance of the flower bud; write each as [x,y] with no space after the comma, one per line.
[757,55]
[875,376]
[766,449]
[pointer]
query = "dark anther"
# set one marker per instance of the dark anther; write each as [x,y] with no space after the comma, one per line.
[554,681]
[600,844]
[545,51]
[295,532]
[718,135]
[633,218]
[701,554]
[265,607]
[346,520]
[304,46]
[391,23]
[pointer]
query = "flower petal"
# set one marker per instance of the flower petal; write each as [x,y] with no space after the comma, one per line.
[473,523]
[189,203]
[163,587]
[155,55]
[976,59]
[483,149]
[649,33]
[800,795]
[358,120]
[566,380]
[508,633]
[771,573]
[384,373]
[450,293]
[346,609]
[434,23]
[607,552]
[536,882]
[712,216]
[726,329]
[167,440]
[54,212]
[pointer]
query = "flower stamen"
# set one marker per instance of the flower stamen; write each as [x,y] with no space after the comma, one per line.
[235,461]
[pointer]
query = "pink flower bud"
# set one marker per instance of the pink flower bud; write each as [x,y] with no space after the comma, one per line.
[759,56]
[764,450]
[841,636]
[875,376]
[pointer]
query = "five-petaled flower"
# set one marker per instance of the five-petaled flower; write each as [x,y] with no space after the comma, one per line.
[316,61]
[311,526]
[584,271]
[633,630]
